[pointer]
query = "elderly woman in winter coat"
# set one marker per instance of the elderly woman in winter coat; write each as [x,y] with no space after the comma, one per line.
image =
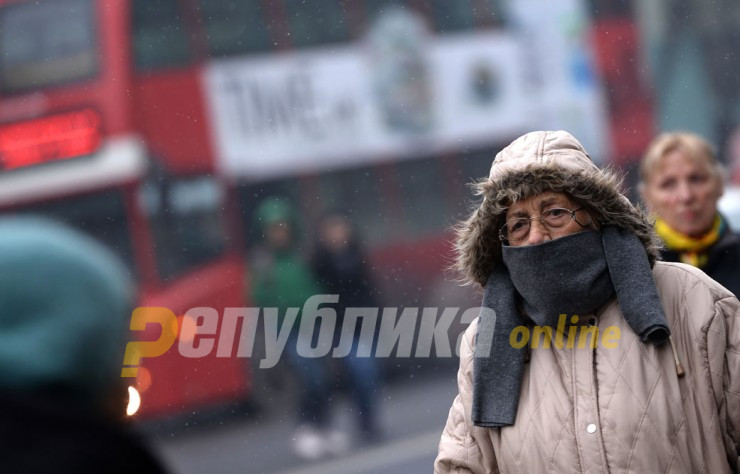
[588,355]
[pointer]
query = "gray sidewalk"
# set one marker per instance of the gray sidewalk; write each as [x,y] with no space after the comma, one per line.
[412,414]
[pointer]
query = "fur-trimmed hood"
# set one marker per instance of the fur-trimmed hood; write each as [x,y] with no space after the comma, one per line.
[535,163]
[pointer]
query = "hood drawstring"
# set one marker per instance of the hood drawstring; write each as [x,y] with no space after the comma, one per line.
[679,368]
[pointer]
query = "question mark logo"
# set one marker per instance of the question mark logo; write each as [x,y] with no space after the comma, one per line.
[138,349]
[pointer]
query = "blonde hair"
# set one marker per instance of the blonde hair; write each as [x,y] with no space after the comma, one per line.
[693,145]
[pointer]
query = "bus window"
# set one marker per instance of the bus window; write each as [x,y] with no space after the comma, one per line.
[423,198]
[475,164]
[46,43]
[472,166]
[100,215]
[449,17]
[159,35]
[187,222]
[316,22]
[360,192]
[489,13]
[609,8]
[453,16]
[235,27]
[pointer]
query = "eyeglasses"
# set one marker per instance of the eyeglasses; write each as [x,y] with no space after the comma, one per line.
[516,229]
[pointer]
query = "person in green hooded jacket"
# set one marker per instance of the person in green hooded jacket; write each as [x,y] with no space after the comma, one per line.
[282,279]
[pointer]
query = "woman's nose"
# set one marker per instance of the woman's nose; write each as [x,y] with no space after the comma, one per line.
[685,192]
[537,233]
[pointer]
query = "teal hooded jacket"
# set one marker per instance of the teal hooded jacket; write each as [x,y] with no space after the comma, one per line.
[65,304]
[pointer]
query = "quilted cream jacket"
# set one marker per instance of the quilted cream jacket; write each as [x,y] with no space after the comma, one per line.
[623,409]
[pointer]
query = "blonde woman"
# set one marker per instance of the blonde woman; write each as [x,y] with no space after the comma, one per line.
[681,182]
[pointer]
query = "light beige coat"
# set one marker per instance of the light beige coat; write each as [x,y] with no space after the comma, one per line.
[618,409]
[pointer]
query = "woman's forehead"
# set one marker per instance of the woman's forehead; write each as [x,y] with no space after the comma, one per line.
[539,201]
[666,163]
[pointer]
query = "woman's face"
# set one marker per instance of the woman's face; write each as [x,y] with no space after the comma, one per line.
[335,233]
[535,206]
[683,192]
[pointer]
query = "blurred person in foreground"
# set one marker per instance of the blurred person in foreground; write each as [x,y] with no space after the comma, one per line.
[64,308]
[554,243]
[681,182]
[341,267]
[282,279]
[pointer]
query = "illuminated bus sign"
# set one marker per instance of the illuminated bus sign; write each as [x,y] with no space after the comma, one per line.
[53,138]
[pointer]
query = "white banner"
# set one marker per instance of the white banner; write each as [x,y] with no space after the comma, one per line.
[383,97]
[562,78]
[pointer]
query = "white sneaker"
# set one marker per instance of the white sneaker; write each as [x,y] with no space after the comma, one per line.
[308,443]
[337,442]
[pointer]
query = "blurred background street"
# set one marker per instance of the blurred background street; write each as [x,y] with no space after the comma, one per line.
[412,414]
[252,153]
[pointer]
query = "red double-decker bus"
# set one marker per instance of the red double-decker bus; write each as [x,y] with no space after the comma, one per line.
[158,126]
[90,138]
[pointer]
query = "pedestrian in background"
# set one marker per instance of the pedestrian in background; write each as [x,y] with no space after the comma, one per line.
[282,279]
[65,304]
[554,243]
[681,182]
[341,267]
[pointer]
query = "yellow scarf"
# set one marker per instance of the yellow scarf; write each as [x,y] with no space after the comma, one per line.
[691,250]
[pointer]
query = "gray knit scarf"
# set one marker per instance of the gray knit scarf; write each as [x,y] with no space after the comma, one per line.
[574,275]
